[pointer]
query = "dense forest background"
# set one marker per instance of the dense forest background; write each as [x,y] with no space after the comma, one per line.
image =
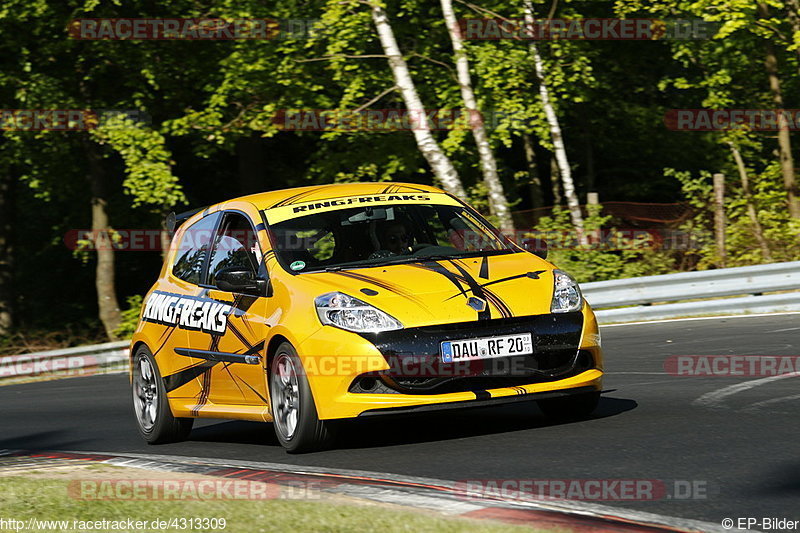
[199,127]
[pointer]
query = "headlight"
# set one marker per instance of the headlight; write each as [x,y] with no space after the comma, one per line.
[346,312]
[566,293]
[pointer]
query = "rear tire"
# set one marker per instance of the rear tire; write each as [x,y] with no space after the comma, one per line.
[294,413]
[154,419]
[570,407]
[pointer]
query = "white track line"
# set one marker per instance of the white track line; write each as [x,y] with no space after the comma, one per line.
[782,330]
[697,318]
[764,403]
[448,492]
[714,398]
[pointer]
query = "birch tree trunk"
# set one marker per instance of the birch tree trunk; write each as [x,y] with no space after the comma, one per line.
[751,208]
[498,203]
[784,140]
[560,152]
[439,162]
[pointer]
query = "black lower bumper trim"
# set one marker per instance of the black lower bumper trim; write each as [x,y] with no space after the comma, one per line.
[480,402]
[416,366]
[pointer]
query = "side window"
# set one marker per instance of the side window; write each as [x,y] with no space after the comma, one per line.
[193,249]
[236,245]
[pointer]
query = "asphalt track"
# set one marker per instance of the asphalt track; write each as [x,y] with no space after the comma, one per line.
[740,445]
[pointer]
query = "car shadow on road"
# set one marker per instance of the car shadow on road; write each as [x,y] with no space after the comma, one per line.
[463,423]
[43,440]
[418,428]
[778,482]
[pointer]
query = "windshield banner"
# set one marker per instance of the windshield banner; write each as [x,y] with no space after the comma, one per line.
[286,212]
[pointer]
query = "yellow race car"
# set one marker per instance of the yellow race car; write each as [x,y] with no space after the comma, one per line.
[305,306]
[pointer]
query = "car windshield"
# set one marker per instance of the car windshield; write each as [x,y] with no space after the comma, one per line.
[380,235]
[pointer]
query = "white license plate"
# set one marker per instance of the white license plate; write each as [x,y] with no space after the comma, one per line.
[486,347]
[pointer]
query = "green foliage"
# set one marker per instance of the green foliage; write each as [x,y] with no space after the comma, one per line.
[742,248]
[148,176]
[130,317]
[205,98]
[610,254]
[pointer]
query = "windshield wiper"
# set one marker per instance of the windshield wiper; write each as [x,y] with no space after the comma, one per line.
[416,259]
[438,257]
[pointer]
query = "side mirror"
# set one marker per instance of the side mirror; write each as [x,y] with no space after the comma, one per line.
[238,279]
[537,247]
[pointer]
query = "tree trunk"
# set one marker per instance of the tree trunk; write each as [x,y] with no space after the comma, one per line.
[559,150]
[751,208]
[166,237]
[784,140]
[7,292]
[719,218]
[537,199]
[498,203]
[441,165]
[107,303]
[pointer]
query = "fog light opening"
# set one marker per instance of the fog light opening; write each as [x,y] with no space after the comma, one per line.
[585,361]
[368,383]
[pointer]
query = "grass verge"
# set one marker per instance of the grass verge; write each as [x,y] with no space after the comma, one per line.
[23,498]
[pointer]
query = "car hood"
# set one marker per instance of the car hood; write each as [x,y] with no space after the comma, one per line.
[447,291]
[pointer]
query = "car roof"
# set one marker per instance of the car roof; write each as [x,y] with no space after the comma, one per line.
[270,199]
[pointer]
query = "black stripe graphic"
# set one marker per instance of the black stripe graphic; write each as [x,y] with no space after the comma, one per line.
[382,284]
[294,198]
[452,277]
[476,289]
[458,279]
[204,392]
[227,369]
[484,273]
[182,377]
[169,331]
[266,402]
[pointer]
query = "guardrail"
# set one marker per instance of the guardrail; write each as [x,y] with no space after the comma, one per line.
[67,362]
[725,291]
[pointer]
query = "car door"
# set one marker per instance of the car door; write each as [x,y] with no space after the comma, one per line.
[238,378]
[170,307]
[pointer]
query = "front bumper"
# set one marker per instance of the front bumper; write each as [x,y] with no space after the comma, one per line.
[567,359]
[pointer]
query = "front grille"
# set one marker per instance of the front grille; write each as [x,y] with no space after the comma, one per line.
[416,367]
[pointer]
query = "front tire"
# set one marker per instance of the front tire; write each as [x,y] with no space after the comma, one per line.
[154,419]
[294,413]
[570,407]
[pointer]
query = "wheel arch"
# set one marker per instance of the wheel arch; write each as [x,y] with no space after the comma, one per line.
[272,347]
[135,348]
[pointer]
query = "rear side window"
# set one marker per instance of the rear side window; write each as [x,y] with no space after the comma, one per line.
[193,250]
[236,246]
